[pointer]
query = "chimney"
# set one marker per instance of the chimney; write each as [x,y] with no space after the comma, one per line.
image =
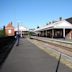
[11,23]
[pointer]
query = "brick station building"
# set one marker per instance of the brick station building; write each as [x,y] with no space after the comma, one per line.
[58,29]
[9,30]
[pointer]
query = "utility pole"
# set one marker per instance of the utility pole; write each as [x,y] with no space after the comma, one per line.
[18,36]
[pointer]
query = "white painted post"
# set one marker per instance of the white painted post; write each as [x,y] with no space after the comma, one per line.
[43,33]
[46,33]
[21,33]
[64,33]
[52,33]
[70,35]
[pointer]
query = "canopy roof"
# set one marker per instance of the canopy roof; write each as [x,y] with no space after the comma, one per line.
[21,28]
[57,25]
[9,26]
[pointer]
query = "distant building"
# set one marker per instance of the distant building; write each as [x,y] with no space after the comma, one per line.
[59,29]
[9,30]
[22,31]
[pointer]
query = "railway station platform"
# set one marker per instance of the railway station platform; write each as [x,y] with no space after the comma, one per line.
[27,57]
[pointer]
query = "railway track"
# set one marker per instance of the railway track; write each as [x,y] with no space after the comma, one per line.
[62,49]
[55,50]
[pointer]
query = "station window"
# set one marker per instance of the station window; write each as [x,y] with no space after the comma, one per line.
[9,31]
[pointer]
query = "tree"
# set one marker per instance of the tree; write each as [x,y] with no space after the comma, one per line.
[38,27]
[49,22]
[60,18]
[46,23]
[2,32]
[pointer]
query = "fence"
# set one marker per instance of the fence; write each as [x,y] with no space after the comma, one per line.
[6,44]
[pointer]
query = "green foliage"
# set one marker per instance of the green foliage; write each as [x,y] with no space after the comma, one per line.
[38,27]
[31,33]
[2,32]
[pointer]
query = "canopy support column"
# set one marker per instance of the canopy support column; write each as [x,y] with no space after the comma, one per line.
[52,33]
[46,33]
[64,33]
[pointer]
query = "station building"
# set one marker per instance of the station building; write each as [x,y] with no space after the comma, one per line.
[23,31]
[58,29]
[9,30]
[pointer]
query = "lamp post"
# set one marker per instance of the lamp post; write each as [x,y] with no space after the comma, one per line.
[18,36]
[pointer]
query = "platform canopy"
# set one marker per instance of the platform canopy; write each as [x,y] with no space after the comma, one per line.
[57,25]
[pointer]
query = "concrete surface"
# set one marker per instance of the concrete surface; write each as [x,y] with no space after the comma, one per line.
[29,58]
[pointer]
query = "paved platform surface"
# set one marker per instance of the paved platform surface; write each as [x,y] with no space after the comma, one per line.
[29,58]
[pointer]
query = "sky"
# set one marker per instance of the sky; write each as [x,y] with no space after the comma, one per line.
[33,13]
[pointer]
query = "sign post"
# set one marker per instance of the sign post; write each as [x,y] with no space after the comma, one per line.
[58,64]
